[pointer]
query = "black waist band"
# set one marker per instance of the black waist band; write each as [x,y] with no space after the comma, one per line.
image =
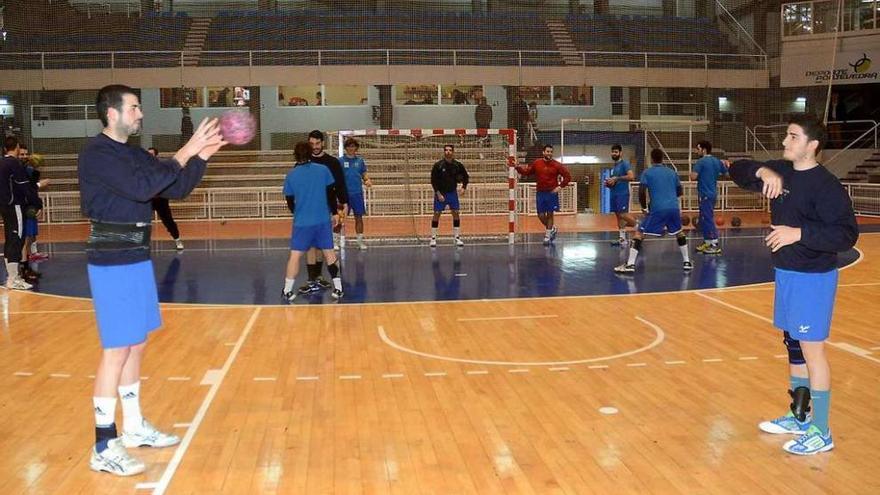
[106,236]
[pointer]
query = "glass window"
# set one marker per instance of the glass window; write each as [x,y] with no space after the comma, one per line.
[300,96]
[536,94]
[420,94]
[460,95]
[797,19]
[824,17]
[573,95]
[181,97]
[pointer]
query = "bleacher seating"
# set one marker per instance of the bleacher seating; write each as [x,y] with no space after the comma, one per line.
[605,32]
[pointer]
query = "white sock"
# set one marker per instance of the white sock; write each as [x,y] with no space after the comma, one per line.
[130,396]
[337,283]
[12,272]
[548,232]
[34,249]
[434,231]
[633,254]
[684,253]
[456,231]
[105,410]
[288,284]
[713,242]
[360,237]
[622,234]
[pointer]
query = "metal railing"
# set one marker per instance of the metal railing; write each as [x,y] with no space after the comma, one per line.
[54,60]
[770,137]
[697,111]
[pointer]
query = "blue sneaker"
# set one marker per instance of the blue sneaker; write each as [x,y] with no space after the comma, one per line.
[786,425]
[810,443]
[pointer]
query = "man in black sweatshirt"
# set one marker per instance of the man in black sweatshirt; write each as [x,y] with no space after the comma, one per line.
[15,194]
[117,183]
[812,220]
[445,176]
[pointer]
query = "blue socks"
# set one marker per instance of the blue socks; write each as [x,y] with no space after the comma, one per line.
[821,400]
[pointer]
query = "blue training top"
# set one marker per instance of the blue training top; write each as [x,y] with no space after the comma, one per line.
[708,169]
[354,169]
[662,183]
[620,170]
[307,185]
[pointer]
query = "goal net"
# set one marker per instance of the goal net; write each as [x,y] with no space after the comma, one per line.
[401,201]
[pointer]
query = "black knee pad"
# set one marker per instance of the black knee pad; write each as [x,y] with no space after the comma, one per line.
[682,240]
[800,403]
[637,244]
[795,354]
[333,269]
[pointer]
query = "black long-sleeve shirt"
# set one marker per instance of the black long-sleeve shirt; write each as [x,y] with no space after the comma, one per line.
[339,190]
[117,183]
[15,184]
[446,175]
[813,200]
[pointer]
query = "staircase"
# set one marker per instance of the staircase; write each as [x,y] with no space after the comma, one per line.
[195,40]
[564,43]
[868,171]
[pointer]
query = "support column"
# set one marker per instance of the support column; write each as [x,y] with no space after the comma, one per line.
[386,108]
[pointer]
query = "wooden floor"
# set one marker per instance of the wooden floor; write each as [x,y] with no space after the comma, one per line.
[506,396]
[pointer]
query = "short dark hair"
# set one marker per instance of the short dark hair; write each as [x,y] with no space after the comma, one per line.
[10,143]
[547,146]
[316,134]
[656,155]
[705,145]
[111,97]
[351,142]
[154,150]
[450,146]
[813,128]
[23,146]
[617,147]
[302,152]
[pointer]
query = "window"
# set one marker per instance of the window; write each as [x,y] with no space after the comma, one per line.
[536,94]
[460,95]
[181,97]
[573,95]
[419,94]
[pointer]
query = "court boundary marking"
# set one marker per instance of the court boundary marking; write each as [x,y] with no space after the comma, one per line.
[659,337]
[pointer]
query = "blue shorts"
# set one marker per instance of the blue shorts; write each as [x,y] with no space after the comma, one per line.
[451,200]
[707,218]
[306,237]
[356,204]
[619,203]
[546,202]
[654,223]
[803,303]
[126,303]
[30,227]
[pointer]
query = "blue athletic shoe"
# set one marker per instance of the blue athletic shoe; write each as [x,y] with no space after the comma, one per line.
[786,425]
[810,443]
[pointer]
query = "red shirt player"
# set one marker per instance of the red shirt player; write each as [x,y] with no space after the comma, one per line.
[551,176]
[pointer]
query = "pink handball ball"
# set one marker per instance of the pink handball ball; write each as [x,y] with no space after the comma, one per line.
[238,127]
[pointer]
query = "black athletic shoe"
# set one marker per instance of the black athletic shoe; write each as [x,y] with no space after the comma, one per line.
[288,296]
[336,294]
[309,288]
[323,283]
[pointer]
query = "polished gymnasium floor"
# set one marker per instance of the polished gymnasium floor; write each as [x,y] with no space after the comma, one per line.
[486,369]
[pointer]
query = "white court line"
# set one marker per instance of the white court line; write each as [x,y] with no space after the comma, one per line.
[845,347]
[23,373]
[211,377]
[181,425]
[392,375]
[349,377]
[713,360]
[264,378]
[435,373]
[876,348]
[461,274]
[500,318]
[560,368]
[748,358]
[518,370]
[637,365]
[59,375]
[146,486]
[676,362]
[306,378]
[658,339]
[178,378]
[780,356]
[477,372]
[168,474]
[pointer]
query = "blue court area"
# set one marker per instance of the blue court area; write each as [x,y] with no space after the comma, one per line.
[252,271]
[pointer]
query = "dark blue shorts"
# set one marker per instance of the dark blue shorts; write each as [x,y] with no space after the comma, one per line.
[803,303]
[619,203]
[126,303]
[30,227]
[656,221]
[546,201]
[356,204]
[451,200]
[318,236]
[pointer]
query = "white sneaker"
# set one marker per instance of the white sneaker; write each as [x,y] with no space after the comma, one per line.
[178,244]
[149,436]
[433,242]
[116,460]
[362,245]
[459,242]
[336,245]
[18,284]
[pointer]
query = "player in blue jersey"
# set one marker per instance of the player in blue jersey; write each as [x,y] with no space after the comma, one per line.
[661,184]
[309,191]
[621,175]
[355,170]
[812,220]
[706,172]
